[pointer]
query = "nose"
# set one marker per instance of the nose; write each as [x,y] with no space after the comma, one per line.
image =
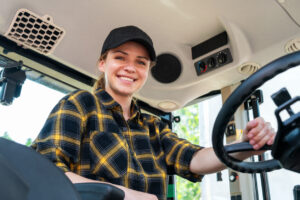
[130,67]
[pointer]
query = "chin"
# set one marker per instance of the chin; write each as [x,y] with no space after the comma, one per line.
[128,91]
[124,92]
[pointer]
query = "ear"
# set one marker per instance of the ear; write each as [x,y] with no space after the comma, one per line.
[101,65]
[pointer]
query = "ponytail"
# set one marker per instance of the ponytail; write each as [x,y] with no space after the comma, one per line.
[100,83]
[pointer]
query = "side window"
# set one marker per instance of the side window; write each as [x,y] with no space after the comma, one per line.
[196,126]
[23,119]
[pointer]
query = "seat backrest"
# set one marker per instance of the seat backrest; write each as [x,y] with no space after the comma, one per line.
[9,181]
[27,174]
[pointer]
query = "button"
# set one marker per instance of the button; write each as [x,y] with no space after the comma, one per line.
[211,62]
[222,58]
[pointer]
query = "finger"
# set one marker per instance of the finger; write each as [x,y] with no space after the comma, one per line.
[270,131]
[248,132]
[262,142]
[265,136]
[271,141]
[255,131]
[261,130]
[250,125]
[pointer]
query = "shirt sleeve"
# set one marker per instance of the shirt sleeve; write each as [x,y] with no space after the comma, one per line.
[59,139]
[178,153]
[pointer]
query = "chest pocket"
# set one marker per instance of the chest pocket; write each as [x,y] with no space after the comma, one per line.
[108,155]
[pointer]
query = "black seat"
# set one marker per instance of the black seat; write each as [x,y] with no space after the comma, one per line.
[25,174]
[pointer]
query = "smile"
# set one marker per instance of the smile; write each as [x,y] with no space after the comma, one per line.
[127,78]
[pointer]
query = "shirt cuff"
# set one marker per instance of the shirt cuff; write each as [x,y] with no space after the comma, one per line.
[188,155]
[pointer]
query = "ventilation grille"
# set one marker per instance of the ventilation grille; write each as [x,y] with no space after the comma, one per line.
[248,68]
[292,46]
[35,32]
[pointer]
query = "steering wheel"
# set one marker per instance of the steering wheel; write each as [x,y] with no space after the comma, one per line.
[231,105]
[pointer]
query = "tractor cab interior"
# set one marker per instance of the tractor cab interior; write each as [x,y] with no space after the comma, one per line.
[220,63]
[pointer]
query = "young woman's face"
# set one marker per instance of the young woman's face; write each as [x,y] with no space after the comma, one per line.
[126,69]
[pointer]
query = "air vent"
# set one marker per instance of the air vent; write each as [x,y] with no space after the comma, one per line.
[248,68]
[292,46]
[35,32]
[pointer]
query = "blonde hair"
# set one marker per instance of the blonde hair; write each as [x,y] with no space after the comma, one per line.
[100,83]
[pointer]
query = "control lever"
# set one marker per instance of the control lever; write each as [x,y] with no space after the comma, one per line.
[296,192]
[281,97]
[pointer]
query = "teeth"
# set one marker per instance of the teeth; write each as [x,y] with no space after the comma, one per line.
[126,78]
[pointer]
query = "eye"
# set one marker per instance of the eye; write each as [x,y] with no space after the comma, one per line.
[141,62]
[119,57]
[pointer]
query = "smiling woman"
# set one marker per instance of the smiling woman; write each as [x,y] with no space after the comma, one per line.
[123,147]
[125,70]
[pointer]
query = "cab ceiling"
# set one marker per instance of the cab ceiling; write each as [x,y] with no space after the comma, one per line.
[257,30]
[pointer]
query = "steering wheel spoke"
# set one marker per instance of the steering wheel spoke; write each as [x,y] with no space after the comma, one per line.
[243,146]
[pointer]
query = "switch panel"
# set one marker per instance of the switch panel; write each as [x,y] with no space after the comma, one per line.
[213,61]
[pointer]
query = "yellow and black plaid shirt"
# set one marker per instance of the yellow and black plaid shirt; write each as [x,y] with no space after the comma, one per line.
[87,134]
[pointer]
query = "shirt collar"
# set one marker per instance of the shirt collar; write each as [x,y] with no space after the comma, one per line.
[135,109]
[106,100]
[109,103]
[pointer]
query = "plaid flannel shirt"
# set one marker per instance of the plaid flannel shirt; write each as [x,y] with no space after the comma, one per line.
[87,134]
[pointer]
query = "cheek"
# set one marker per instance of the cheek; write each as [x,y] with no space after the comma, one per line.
[144,74]
[110,68]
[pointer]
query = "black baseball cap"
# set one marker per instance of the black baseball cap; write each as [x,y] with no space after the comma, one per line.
[119,36]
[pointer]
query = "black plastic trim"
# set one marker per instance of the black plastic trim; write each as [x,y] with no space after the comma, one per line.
[209,45]
[10,46]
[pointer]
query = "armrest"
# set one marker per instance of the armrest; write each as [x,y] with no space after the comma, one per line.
[99,191]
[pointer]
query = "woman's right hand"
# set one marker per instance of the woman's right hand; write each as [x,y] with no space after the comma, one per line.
[129,193]
[137,195]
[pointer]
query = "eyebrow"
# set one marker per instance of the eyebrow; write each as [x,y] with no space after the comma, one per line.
[123,52]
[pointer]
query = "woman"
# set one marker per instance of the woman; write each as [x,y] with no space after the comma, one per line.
[103,137]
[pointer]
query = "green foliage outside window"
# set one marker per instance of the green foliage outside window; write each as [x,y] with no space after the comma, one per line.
[187,128]
[6,136]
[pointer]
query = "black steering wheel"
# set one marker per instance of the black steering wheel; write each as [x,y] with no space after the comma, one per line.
[234,101]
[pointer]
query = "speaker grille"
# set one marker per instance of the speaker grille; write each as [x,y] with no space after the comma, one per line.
[167,68]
